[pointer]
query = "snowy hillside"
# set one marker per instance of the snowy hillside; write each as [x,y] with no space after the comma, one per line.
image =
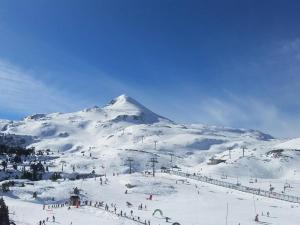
[293,144]
[94,144]
[125,128]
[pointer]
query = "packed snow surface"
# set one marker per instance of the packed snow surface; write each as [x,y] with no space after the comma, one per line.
[293,144]
[184,201]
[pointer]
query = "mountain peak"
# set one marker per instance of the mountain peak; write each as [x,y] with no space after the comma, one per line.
[125,102]
[129,106]
[122,99]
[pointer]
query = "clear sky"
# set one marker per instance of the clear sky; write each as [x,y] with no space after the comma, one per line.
[232,63]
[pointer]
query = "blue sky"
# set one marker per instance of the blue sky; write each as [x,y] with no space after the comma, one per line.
[231,63]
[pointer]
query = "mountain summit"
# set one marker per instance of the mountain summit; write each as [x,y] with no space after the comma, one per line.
[125,105]
[124,102]
[125,127]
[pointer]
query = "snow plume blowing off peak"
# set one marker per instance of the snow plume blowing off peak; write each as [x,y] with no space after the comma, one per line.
[129,106]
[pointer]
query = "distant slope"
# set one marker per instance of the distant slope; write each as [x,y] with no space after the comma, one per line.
[293,144]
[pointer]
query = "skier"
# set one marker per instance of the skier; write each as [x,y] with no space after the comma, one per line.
[53,218]
[150,198]
[256,218]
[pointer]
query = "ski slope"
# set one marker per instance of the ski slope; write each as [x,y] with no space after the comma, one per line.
[293,144]
[184,201]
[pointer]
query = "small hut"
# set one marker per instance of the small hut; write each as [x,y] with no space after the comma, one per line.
[75,200]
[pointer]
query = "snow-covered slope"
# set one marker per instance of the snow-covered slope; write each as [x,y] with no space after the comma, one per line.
[125,128]
[293,144]
[3,123]
[101,140]
[122,124]
[184,201]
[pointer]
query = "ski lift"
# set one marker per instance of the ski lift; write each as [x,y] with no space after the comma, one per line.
[286,185]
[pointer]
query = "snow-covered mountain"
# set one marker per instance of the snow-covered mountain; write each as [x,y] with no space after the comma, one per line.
[125,128]
[101,140]
[123,123]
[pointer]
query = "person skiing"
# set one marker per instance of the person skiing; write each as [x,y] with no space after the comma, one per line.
[150,197]
[256,218]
